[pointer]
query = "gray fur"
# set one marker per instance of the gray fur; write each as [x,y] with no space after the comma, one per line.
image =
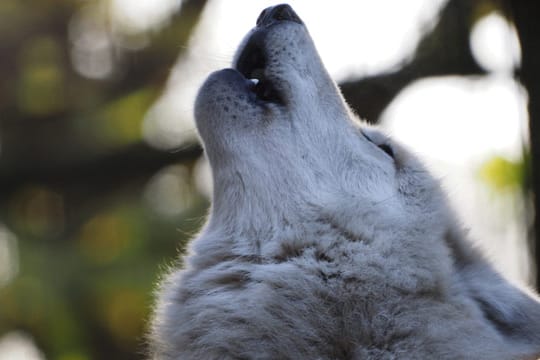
[321,246]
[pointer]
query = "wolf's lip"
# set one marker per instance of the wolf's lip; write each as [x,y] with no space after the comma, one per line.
[252,64]
[253,60]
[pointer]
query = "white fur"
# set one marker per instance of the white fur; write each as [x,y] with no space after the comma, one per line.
[321,246]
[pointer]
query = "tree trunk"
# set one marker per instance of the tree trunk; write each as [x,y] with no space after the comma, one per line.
[526,19]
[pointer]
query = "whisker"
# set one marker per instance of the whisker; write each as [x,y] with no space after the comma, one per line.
[206,55]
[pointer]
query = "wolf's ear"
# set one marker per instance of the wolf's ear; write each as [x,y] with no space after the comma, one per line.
[513,312]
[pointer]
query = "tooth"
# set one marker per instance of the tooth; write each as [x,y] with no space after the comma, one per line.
[254,81]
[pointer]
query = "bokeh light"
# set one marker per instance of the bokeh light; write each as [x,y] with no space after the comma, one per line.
[142,15]
[169,192]
[92,52]
[9,256]
[19,346]
[495,44]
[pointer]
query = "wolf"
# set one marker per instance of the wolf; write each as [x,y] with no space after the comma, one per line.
[326,239]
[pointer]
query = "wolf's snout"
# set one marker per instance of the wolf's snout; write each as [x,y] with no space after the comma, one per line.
[276,13]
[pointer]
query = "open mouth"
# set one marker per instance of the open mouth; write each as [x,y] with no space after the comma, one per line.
[252,64]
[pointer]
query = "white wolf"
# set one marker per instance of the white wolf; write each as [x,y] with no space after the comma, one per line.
[326,240]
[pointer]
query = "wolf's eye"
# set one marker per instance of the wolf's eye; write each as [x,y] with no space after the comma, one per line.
[384,147]
[387,149]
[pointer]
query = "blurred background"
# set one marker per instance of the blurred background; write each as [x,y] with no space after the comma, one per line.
[102,178]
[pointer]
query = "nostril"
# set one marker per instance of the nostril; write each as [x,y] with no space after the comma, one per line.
[281,12]
[284,12]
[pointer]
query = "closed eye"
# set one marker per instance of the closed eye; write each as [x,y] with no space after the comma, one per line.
[387,149]
[384,147]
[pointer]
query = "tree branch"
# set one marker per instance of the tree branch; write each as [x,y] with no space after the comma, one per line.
[443,51]
[525,17]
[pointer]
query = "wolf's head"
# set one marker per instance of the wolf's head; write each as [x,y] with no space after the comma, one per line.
[309,202]
[281,140]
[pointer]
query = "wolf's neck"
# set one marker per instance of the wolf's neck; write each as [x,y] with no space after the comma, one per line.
[245,210]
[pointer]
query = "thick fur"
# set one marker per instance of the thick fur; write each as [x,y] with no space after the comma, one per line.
[319,244]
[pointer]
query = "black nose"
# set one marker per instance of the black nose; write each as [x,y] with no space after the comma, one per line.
[276,13]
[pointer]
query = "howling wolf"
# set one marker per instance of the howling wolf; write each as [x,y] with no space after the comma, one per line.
[326,239]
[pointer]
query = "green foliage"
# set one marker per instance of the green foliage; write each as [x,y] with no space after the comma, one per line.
[74,289]
[40,89]
[84,241]
[503,174]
